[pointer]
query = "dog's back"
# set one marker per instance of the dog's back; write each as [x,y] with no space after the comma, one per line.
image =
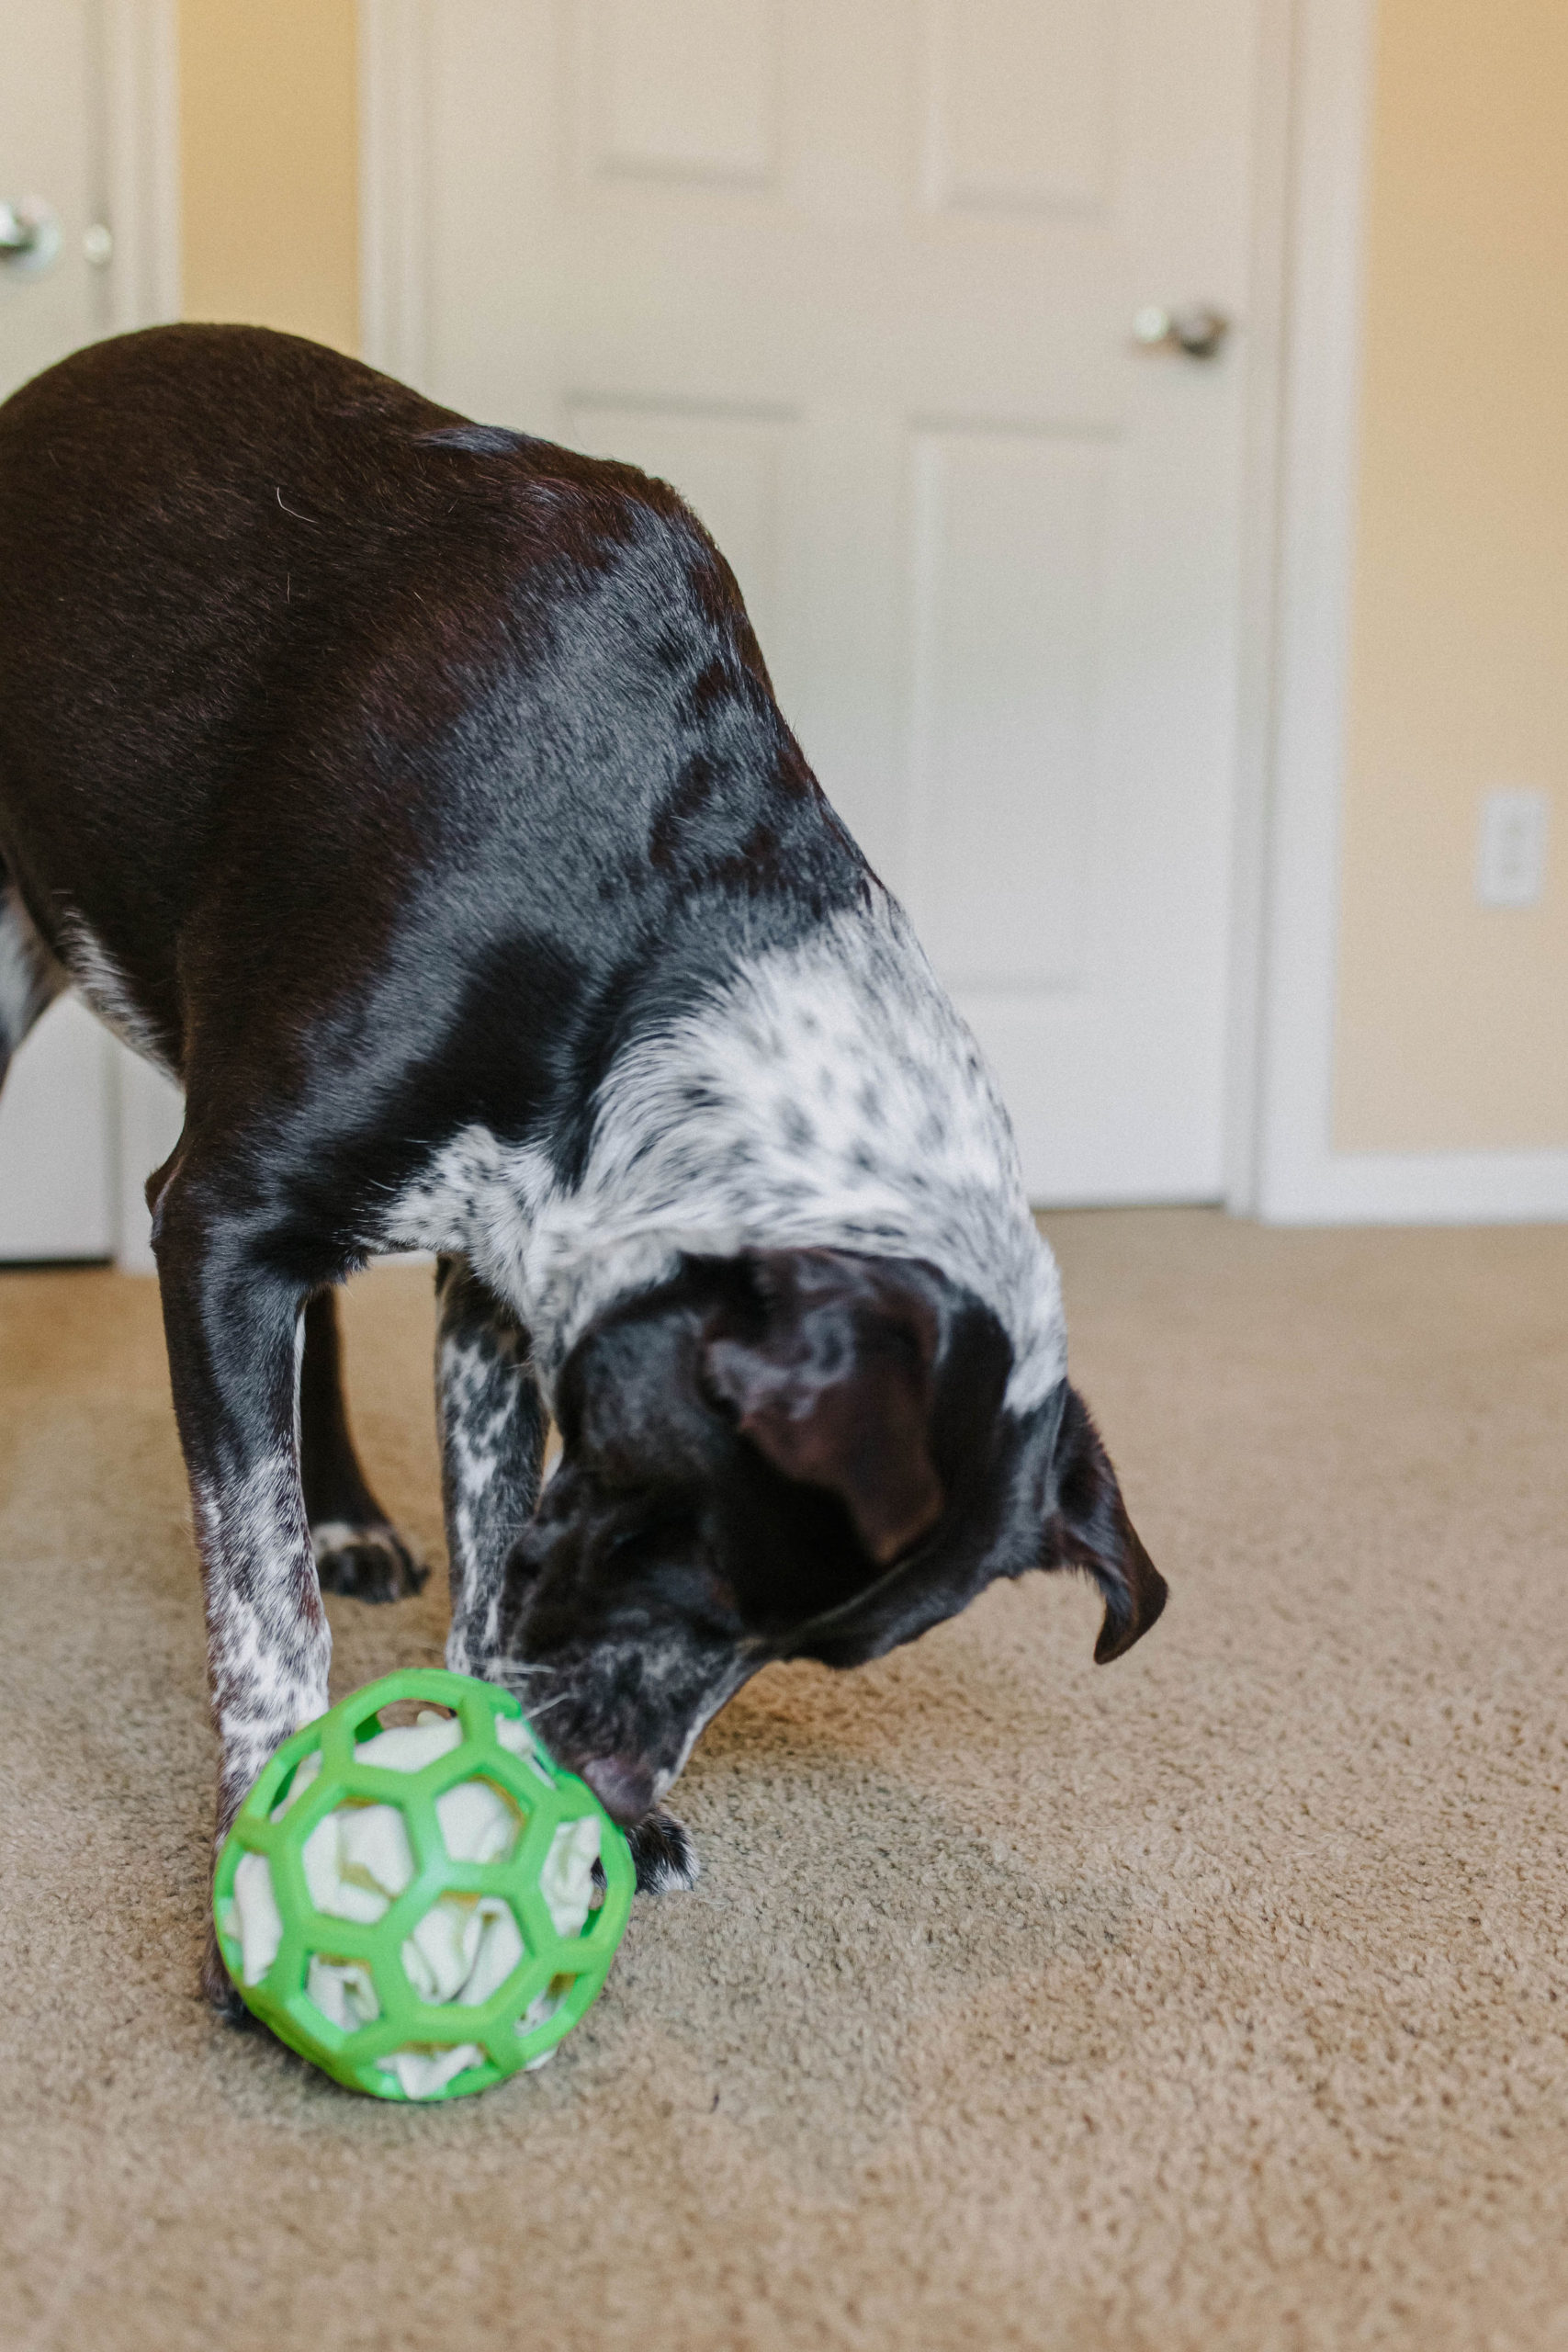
[287,647]
[146,582]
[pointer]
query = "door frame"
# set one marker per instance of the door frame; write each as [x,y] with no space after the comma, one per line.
[1311,145]
[138,163]
[138,142]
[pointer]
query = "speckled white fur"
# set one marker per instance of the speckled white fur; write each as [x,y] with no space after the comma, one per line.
[492,1424]
[830,1096]
[476,1407]
[104,986]
[31,977]
[267,1655]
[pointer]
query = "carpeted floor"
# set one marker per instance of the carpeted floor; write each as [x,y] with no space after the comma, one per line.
[1217,2000]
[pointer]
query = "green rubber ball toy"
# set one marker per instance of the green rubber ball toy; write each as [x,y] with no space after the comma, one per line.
[414,1906]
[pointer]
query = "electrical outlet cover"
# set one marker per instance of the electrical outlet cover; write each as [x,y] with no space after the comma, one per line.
[1510,865]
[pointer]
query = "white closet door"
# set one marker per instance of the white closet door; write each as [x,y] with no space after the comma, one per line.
[861,278]
[57,1172]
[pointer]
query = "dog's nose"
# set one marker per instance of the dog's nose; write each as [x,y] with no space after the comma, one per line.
[626,1790]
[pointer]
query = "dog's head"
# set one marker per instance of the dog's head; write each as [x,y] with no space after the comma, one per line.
[794,1453]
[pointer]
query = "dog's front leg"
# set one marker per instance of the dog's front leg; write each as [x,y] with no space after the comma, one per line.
[492,1424]
[233,1330]
[357,1549]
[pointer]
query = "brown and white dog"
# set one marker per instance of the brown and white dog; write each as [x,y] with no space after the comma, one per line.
[414,792]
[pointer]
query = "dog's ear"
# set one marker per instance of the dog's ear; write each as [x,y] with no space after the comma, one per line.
[829,1365]
[1089,1529]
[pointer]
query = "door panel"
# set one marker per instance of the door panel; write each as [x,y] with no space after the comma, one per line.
[681,88]
[56,1196]
[1019,104]
[1005,701]
[858,275]
[46,94]
[56,1161]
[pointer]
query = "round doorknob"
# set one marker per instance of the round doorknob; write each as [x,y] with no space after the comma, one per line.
[1199,332]
[30,235]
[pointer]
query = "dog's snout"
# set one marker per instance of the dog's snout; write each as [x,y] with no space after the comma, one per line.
[626,1788]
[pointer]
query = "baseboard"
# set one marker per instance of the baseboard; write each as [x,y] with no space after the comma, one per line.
[1423,1188]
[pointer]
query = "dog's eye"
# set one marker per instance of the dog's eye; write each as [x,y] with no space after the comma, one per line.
[658,1533]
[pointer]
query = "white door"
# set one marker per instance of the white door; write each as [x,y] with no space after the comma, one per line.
[860,277]
[56,1193]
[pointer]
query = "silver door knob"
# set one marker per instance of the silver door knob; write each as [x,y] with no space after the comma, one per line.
[30,235]
[1199,332]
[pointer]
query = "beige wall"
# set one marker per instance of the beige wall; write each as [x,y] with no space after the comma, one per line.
[1453,1017]
[269,160]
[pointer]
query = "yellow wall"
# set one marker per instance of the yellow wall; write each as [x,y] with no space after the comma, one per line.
[269,145]
[1453,1017]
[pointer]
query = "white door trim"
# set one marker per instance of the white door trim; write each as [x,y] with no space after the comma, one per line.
[1303,491]
[1304,333]
[1264,330]
[1291,1176]
[139,166]
[139,160]
[394,185]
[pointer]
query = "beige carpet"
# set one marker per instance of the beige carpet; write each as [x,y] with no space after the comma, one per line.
[1218,1998]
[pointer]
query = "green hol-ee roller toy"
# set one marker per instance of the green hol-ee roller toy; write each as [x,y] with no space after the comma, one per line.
[414,1906]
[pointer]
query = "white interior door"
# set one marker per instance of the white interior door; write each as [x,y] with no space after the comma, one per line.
[57,1194]
[859,276]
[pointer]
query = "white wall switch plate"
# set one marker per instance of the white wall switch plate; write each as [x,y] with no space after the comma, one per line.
[1510,864]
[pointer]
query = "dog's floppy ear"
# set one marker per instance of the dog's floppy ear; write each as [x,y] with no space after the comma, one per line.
[1090,1528]
[829,1366]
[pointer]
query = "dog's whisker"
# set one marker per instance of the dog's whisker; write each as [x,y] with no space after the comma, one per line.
[533,1713]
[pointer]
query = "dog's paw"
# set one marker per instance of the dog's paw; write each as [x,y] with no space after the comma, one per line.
[665,1856]
[370,1562]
